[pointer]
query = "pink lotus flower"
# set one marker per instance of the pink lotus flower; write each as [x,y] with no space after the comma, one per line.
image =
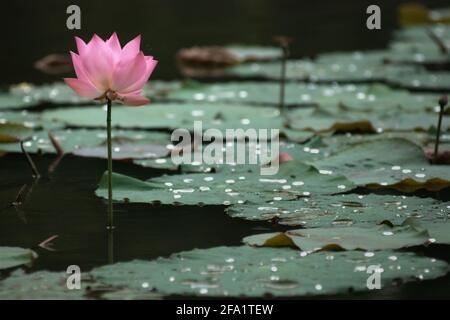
[106,70]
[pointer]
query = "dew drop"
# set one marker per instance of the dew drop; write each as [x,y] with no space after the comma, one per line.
[393,258]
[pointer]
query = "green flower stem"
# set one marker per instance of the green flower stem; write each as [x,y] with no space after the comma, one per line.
[283,79]
[442,103]
[110,246]
[438,135]
[110,195]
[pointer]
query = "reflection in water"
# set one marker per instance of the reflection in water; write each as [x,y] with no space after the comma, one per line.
[110,245]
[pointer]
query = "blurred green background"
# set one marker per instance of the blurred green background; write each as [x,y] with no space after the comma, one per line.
[33,29]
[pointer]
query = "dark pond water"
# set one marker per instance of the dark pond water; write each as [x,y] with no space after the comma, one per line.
[32,29]
[64,203]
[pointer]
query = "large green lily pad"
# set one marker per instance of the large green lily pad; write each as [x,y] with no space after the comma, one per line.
[204,161]
[40,285]
[12,132]
[419,52]
[345,238]
[11,257]
[30,120]
[10,101]
[425,81]
[388,163]
[171,116]
[56,93]
[321,120]
[352,97]
[419,34]
[245,53]
[293,179]
[438,228]
[341,71]
[158,89]
[343,210]
[371,57]
[250,272]
[335,143]
[26,95]
[133,144]
[407,53]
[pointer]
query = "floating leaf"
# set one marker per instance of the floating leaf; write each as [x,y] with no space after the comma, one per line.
[129,294]
[246,53]
[420,34]
[38,286]
[398,54]
[335,143]
[157,89]
[91,143]
[122,151]
[320,120]
[219,57]
[12,132]
[345,238]
[226,186]
[388,163]
[172,116]
[11,257]
[359,57]
[438,228]
[27,119]
[250,272]
[56,93]
[353,97]
[343,210]
[340,71]
[435,81]
[413,52]
[200,160]
[382,98]
[9,101]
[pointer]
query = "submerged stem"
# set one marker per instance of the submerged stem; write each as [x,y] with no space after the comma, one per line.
[110,203]
[34,170]
[110,246]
